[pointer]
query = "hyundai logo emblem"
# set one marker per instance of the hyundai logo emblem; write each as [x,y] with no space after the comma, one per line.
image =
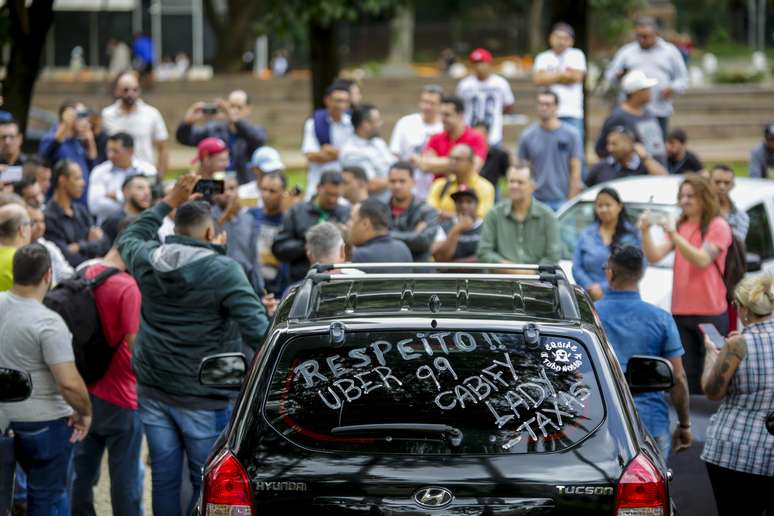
[433,497]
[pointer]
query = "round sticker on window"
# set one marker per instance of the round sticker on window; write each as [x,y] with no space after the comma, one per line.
[561,355]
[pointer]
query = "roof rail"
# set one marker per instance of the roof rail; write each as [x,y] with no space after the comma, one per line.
[320,273]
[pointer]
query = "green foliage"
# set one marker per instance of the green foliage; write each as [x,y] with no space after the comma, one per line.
[705,20]
[738,77]
[287,15]
[610,20]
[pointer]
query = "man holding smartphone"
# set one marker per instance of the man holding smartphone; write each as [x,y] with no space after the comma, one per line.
[229,121]
[635,327]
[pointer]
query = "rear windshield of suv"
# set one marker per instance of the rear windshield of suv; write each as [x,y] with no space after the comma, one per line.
[437,392]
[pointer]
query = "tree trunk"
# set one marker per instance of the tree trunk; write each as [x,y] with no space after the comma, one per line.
[234,31]
[28,29]
[536,36]
[402,36]
[323,59]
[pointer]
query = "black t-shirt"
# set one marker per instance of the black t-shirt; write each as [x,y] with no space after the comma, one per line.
[496,165]
[467,243]
[609,169]
[689,163]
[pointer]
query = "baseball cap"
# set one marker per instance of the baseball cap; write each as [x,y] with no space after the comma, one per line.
[564,27]
[481,55]
[464,190]
[267,159]
[208,147]
[768,132]
[636,80]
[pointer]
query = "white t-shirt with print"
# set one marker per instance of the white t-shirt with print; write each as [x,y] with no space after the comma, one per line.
[570,95]
[484,101]
[409,136]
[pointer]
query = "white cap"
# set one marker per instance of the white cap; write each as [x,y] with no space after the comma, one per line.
[267,159]
[636,80]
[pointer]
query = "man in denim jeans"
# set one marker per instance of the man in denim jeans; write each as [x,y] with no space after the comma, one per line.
[116,424]
[58,414]
[635,327]
[195,302]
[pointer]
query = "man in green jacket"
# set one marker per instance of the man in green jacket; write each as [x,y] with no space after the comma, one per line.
[520,229]
[195,302]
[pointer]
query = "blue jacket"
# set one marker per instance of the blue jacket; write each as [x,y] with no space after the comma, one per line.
[72,148]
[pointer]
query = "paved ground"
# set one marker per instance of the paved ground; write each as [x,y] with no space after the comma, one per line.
[691,488]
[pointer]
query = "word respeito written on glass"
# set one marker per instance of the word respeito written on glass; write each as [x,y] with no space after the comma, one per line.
[536,399]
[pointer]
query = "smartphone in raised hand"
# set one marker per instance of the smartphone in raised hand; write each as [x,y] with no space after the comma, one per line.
[714,335]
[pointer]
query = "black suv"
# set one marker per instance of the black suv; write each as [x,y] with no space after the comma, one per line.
[457,393]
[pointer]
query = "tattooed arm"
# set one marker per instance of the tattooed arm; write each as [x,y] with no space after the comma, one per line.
[720,366]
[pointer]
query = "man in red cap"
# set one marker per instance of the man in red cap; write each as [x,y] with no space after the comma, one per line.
[487,95]
[212,155]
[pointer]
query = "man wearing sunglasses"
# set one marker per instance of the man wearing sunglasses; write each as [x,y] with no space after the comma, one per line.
[129,114]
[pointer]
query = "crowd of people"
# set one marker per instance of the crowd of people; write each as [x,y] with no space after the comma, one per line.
[187,268]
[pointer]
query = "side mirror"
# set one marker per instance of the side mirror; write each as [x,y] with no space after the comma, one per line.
[223,370]
[648,374]
[15,385]
[753,262]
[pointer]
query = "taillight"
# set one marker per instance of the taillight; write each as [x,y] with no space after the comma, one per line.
[641,490]
[227,489]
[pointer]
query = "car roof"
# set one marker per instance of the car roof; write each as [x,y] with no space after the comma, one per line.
[663,190]
[534,291]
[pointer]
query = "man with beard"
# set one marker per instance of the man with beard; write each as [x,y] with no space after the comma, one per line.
[129,114]
[136,192]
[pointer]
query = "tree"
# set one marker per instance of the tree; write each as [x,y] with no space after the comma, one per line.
[28,25]
[235,30]
[320,18]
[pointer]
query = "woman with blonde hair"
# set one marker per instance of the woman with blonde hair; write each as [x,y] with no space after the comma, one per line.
[700,239]
[739,452]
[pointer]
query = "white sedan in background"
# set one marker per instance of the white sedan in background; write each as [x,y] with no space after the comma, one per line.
[659,194]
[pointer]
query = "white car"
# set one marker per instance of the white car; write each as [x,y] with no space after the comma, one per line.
[755,196]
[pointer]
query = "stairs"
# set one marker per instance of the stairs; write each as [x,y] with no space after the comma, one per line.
[722,122]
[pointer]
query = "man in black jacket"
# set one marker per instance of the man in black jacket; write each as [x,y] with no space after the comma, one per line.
[370,235]
[69,225]
[230,123]
[289,245]
[414,222]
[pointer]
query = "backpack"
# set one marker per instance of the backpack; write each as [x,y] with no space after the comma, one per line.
[736,265]
[73,299]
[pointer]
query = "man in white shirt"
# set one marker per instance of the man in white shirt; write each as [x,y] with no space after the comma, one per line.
[325,132]
[562,68]
[106,180]
[368,150]
[487,95]
[129,114]
[657,59]
[412,132]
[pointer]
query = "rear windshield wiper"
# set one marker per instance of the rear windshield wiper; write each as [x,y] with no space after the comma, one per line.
[454,434]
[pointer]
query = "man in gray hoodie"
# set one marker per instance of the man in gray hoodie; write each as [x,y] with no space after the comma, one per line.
[195,302]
